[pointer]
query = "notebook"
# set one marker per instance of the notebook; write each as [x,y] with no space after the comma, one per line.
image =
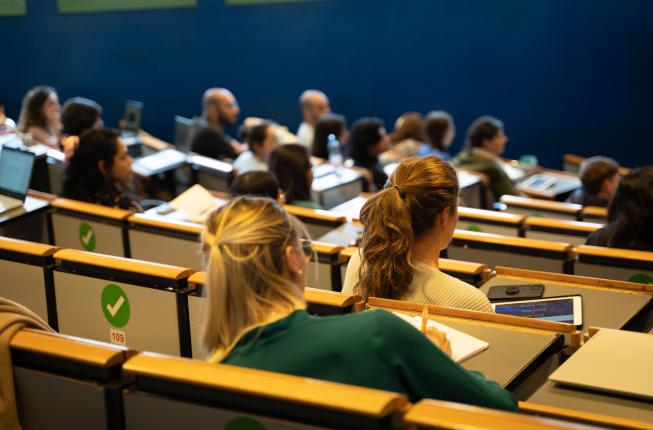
[463,345]
[614,361]
[15,173]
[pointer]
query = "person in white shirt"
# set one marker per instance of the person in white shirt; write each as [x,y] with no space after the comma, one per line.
[262,140]
[313,103]
[406,225]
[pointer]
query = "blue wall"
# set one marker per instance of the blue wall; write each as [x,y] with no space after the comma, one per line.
[564,75]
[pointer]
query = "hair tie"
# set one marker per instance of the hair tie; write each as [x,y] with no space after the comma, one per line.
[402,194]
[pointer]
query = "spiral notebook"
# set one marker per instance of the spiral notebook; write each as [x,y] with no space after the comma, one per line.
[463,346]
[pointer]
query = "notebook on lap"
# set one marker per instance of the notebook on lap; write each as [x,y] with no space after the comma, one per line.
[15,173]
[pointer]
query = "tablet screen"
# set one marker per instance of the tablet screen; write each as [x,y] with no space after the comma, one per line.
[559,310]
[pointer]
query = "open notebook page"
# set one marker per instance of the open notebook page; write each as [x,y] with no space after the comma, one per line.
[463,345]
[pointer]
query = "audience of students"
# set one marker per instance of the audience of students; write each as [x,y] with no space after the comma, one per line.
[291,165]
[600,177]
[630,214]
[257,184]
[485,143]
[207,136]
[367,141]
[440,131]
[41,116]
[100,171]
[406,225]
[326,125]
[261,139]
[313,104]
[256,317]
[80,114]
[407,140]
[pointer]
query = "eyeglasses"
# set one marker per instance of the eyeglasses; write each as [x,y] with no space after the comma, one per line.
[307,248]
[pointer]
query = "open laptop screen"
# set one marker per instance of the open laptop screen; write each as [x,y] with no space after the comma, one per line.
[15,172]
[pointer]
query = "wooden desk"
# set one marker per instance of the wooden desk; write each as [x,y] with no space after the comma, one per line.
[606,303]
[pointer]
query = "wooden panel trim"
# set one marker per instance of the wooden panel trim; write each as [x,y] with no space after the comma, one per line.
[325,248]
[316,214]
[331,395]
[491,216]
[434,414]
[40,195]
[612,253]
[197,278]
[561,225]
[546,205]
[156,270]
[165,223]
[91,209]
[573,159]
[346,253]
[25,247]
[331,298]
[520,242]
[458,266]
[582,417]
[594,211]
[69,347]
[571,279]
[489,317]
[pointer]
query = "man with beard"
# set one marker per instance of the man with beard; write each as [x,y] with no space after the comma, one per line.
[219,109]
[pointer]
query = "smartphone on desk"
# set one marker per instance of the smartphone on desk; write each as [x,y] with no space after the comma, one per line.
[515,292]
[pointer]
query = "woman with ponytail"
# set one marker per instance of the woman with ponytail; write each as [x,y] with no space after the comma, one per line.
[255,256]
[406,225]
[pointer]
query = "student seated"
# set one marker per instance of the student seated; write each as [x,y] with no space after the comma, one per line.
[80,114]
[440,131]
[326,125]
[486,141]
[600,177]
[257,183]
[262,139]
[100,171]
[406,226]
[313,104]
[630,214]
[291,165]
[407,140]
[367,140]
[256,258]
[41,116]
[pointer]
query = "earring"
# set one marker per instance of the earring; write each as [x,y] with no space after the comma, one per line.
[300,272]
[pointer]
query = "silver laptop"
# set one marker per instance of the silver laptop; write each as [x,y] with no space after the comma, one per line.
[15,173]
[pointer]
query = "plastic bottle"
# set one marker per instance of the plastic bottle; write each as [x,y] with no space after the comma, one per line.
[335,151]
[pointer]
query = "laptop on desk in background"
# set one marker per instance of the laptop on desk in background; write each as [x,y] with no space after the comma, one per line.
[15,173]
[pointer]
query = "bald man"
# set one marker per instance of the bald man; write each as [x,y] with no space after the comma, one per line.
[208,138]
[313,104]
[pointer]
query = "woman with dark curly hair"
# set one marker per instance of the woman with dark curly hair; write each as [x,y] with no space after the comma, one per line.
[99,170]
[41,116]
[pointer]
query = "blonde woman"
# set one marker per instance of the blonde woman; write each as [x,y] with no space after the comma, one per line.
[407,224]
[256,317]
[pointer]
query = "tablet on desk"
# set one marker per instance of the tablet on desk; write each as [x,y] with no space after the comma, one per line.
[568,309]
[540,182]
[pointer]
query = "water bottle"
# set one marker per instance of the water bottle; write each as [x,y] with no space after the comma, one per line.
[335,152]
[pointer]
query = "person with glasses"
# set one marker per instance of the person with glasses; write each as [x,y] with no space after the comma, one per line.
[256,257]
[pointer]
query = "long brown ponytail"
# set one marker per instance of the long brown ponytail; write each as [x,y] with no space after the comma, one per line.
[417,192]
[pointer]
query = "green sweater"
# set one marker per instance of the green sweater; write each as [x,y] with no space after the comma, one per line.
[373,349]
[500,183]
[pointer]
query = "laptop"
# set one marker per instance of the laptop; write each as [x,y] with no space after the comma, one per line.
[15,173]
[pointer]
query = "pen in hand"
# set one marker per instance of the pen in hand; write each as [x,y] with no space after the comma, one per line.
[425,318]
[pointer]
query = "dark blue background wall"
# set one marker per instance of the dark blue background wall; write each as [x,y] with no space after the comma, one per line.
[564,75]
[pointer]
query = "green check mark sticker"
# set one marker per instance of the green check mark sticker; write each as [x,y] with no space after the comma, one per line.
[87,236]
[115,305]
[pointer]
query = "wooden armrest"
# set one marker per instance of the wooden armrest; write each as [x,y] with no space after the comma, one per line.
[489,317]
[595,211]
[434,414]
[332,298]
[618,253]
[91,209]
[165,223]
[573,159]
[71,348]
[197,278]
[466,267]
[303,391]
[156,270]
[325,248]
[558,224]
[571,279]
[316,214]
[528,203]
[520,242]
[492,216]
[25,247]
[582,416]
[346,253]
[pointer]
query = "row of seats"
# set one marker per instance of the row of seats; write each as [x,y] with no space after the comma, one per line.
[67,382]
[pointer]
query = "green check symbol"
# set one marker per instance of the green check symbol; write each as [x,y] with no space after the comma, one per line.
[115,305]
[87,236]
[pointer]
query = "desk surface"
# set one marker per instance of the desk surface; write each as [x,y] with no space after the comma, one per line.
[565,183]
[601,307]
[343,235]
[30,206]
[552,394]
